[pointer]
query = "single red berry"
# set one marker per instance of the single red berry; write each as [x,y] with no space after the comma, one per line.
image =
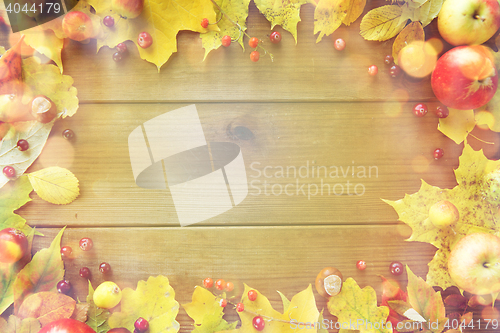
[9,171]
[258,323]
[68,134]
[117,56]
[339,44]
[144,40]
[66,252]
[121,47]
[204,23]
[86,244]
[396,268]
[389,59]
[208,283]
[442,111]
[395,71]
[108,21]
[141,324]
[252,295]
[254,56]
[438,153]
[22,145]
[222,302]
[63,286]
[373,70]
[229,286]
[226,40]
[275,37]
[104,268]
[84,272]
[253,42]
[420,109]
[220,284]
[361,265]
[240,307]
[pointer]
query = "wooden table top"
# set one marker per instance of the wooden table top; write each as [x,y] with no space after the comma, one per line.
[311,107]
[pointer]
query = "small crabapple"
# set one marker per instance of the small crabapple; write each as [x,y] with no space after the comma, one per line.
[373,70]
[275,37]
[339,44]
[144,40]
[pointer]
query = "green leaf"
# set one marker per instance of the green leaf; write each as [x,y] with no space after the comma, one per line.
[97,318]
[41,274]
[382,23]
[357,308]
[12,197]
[153,300]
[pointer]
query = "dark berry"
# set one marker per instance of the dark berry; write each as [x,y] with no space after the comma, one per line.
[258,323]
[22,145]
[84,272]
[104,268]
[252,295]
[108,21]
[275,37]
[141,325]
[63,286]
[117,56]
[9,171]
[442,111]
[388,59]
[395,71]
[66,252]
[420,109]
[438,153]
[86,244]
[396,268]
[68,134]
[121,47]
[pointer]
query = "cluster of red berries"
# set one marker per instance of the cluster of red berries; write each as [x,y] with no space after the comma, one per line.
[220,284]
[441,111]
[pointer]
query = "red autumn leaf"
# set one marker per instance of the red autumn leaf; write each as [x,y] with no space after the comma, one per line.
[392,292]
[11,71]
[47,306]
[41,274]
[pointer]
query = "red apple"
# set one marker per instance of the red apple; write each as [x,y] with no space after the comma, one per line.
[128,8]
[468,22]
[77,26]
[66,325]
[474,263]
[465,77]
[13,245]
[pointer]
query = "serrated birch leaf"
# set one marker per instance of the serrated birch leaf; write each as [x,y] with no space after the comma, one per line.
[328,16]
[356,305]
[284,13]
[354,11]
[382,23]
[47,307]
[41,274]
[458,124]
[97,318]
[238,12]
[153,300]
[55,185]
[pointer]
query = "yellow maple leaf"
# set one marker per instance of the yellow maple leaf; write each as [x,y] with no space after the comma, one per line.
[55,185]
[153,300]
[411,33]
[458,124]
[203,303]
[162,19]
[285,13]
[354,11]
[476,215]
[237,11]
[301,310]
[328,16]
[382,23]
[357,309]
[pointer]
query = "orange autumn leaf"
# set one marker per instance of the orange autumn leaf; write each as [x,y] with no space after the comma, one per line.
[47,306]
[11,70]
[41,274]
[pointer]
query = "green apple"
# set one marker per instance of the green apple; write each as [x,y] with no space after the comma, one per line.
[443,214]
[468,22]
[474,263]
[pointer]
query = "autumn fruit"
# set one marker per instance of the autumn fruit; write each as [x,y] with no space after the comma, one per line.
[144,40]
[64,287]
[9,171]
[438,153]
[373,70]
[107,295]
[226,41]
[220,284]
[43,109]
[108,21]
[420,109]
[77,26]
[104,268]
[23,145]
[254,56]
[329,282]
[13,245]
[361,265]
[258,323]
[339,44]
[465,77]
[396,268]
[85,243]
[253,42]
[13,110]
[275,37]
[252,295]
[443,214]
[128,8]
[66,325]
[491,187]
[141,325]
[474,263]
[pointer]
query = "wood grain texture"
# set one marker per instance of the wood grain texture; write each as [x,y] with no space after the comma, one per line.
[266,258]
